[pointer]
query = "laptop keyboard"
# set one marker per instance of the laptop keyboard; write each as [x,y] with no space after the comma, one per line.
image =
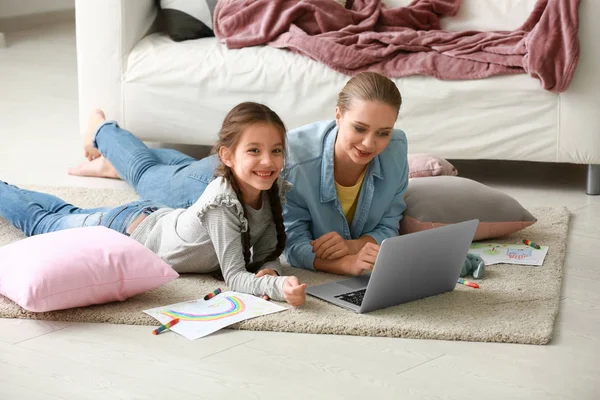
[353,297]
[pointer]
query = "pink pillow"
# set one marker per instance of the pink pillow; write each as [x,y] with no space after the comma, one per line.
[78,267]
[421,165]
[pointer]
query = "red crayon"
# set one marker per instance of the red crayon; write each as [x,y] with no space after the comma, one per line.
[532,244]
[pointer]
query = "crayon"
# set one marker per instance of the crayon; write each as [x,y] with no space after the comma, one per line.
[212,294]
[468,283]
[532,244]
[165,326]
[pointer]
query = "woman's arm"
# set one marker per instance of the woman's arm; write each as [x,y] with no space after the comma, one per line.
[389,225]
[296,218]
[264,246]
[355,245]
[354,264]
[223,227]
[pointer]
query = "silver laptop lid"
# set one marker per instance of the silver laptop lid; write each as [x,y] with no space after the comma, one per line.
[417,265]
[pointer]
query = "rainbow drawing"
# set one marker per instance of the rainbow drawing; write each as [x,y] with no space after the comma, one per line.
[236,306]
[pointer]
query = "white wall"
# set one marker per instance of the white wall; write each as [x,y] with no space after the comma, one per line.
[12,8]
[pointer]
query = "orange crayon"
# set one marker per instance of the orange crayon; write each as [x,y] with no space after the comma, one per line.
[468,283]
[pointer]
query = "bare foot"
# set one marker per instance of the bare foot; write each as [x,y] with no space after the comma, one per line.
[95,120]
[99,167]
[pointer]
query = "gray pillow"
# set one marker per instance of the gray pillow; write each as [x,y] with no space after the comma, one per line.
[188,19]
[441,200]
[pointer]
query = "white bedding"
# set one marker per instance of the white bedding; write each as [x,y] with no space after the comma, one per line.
[196,80]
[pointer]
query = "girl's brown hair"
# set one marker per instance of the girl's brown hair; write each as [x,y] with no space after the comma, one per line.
[237,120]
[369,86]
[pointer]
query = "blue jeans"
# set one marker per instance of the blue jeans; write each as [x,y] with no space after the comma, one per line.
[36,213]
[166,176]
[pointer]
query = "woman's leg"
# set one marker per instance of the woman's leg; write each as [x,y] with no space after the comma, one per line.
[101,167]
[172,157]
[151,176]
[161,176]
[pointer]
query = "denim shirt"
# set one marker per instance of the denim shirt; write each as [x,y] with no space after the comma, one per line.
[312,207]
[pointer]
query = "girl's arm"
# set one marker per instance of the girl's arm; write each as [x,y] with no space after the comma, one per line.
[224,229]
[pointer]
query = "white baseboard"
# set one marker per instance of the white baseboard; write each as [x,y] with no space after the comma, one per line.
[2,41]
[32,21]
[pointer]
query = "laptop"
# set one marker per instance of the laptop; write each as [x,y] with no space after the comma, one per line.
[408,267]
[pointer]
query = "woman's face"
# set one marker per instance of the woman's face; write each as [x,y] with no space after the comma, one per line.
[364,130]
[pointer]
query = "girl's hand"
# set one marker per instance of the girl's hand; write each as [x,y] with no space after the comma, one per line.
[293,291]
[330,246]
[263,272]
[266,271]
[364,260]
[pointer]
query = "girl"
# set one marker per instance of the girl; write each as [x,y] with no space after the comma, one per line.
[348,175]
[238,211]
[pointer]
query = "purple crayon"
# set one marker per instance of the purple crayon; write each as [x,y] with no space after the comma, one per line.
[212,294]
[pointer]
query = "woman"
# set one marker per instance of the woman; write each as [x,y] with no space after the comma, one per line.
[348,179]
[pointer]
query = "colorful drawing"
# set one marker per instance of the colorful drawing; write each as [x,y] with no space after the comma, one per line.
[199,318]
[496,253]
[236,306]
[518,254]
[491,249]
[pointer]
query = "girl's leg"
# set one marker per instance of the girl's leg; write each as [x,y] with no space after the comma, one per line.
[53,203]
[36,213]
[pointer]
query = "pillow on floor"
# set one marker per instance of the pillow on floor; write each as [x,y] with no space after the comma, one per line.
[188,19]
[443,200]
[421,165]
[78,267]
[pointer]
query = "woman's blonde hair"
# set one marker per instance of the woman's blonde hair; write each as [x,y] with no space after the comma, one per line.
[369,86]
[237,120]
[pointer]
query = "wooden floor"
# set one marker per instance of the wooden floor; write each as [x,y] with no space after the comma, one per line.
[53,360]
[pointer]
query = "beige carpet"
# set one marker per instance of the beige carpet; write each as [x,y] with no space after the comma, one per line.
[515,304]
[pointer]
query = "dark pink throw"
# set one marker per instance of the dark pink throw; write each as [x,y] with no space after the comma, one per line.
[407,40]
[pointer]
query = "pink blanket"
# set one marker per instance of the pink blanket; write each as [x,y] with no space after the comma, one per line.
[407,40]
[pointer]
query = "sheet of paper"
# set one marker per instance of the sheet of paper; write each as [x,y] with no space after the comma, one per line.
[495,253]
[199,318]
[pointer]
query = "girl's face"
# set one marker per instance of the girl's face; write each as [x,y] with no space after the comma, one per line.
[256,160]
[364,130]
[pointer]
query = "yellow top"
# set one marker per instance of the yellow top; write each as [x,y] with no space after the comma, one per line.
[348,196]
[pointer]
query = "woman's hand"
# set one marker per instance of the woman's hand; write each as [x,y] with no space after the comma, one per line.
[330,246]
[293,291]
[364,260]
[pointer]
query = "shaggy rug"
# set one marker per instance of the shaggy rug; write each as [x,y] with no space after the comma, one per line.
[515,303]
